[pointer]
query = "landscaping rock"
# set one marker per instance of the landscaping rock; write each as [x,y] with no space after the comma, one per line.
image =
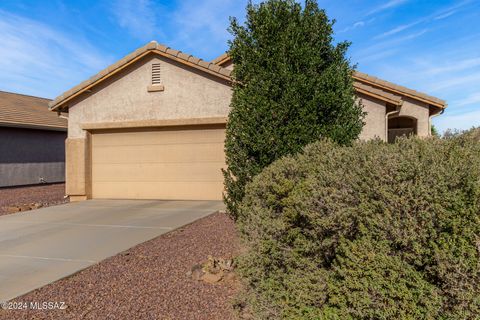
[196,273]
[33,197]
[24,207]
[34,206]
[215,265]
[230,277]
[11,209]
[213,270]
[212,277]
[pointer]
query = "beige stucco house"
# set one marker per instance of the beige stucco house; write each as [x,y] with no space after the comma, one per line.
[152,125]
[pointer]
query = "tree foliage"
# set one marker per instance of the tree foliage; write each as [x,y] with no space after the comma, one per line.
[292,86]
[434,131]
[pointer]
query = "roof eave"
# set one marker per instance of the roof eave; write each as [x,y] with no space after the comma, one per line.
[32,126]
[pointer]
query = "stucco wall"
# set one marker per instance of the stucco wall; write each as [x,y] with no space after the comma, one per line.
[374,120]
[188,94]
[77,167]
[30,156]
[419,111]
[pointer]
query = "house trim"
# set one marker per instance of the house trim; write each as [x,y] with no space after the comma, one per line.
[154,123]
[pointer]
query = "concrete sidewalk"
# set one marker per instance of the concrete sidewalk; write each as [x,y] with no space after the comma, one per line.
[42,246]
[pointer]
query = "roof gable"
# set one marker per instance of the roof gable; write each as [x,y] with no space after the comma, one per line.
[151,48]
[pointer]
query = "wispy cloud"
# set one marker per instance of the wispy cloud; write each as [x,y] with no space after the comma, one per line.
[354,26]
[460,121]
[388,5]
[382,49]
[471,99]
[447,12]
[202,25]
[357,25]
[398,29]
[447,74]
[450,66]
[454,81]
[193,26]
[445,15]
[40,60]
[136,16]
[371,54]
[438,15]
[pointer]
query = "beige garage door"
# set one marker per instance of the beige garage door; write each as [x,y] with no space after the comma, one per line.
[181,163]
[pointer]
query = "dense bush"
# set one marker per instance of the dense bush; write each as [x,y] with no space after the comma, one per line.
[292,85]
[371,231]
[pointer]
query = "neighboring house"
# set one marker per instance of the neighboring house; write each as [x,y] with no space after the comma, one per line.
[32,141]
[152,125]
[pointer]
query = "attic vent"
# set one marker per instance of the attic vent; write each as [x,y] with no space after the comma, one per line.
[156,79]
[156,73]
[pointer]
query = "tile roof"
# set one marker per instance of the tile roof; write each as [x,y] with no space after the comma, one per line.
[221,59]
[25,111]
[377,82]
[151,47]
[375,92]
[374,86]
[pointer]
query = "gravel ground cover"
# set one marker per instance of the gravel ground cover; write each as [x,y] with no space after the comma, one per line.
[45,195]
[148,281]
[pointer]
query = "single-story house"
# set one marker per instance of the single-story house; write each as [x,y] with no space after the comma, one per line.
[152,125]
[32,144]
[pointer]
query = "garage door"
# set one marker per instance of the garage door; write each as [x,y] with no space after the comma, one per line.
[182,163]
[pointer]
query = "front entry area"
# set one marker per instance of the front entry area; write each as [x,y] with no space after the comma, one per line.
[401,126]
[169,163]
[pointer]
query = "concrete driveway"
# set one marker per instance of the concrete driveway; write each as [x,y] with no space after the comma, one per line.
[41,246]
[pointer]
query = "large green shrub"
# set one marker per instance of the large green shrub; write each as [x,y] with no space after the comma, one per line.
[292,86]
[370,231]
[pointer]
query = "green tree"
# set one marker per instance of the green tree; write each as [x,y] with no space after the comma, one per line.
[435,132]
[292,86]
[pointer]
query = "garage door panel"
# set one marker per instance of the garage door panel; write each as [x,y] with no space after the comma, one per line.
[180,164]
[161,172]
[152,190]
[204,152]
[156,137]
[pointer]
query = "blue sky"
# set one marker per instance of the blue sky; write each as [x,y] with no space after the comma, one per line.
[429,45]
